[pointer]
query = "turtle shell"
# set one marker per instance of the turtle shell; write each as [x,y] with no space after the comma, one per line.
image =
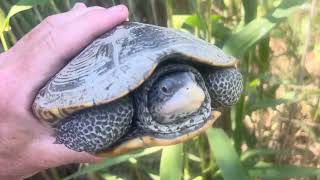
[118,62]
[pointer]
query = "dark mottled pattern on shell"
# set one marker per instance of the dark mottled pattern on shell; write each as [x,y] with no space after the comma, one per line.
[224,85]
[94,129]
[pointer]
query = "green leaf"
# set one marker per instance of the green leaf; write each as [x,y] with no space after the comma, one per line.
[20,6]
[171,162]
[250,10]
[110,176]
[2,19]
[261,152]
[195,21]
[193,157]
[179,20]
[276,171]
[23,5]
[255,83]
[265,103]
[198,178]
[254,31]
[113,161]
[226,156]
[154,176]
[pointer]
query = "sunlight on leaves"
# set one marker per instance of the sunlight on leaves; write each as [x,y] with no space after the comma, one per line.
[171,162]
[250,34]
[226,156]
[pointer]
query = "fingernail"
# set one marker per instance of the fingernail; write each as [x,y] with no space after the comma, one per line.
[118,8]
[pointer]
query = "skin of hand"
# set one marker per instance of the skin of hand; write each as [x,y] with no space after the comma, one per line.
[26,144]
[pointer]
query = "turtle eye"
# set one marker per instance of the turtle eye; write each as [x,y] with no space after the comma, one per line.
[164,89]
[166,86]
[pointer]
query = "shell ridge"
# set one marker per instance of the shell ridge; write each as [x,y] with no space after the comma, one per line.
[118,62]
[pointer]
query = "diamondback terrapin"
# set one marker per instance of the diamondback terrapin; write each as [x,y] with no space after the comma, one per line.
[138,85]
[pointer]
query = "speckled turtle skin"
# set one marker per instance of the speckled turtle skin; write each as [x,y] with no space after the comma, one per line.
[112,69]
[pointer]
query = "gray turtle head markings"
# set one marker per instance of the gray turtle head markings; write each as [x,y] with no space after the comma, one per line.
[148,109]
[173,95]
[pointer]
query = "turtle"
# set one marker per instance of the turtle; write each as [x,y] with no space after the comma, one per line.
[138,85]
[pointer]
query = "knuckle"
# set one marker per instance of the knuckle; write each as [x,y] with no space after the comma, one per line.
[50,21]
[80,4]
[50,41]
[94,12]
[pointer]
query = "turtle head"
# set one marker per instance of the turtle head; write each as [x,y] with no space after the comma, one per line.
[173,95]
[173,102]
[172,106]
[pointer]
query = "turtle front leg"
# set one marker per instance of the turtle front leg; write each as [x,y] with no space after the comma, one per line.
[224,85]
[95,129]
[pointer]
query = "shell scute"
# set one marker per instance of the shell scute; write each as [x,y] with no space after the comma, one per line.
[118,62]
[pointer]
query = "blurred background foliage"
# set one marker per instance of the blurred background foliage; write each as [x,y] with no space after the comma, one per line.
[272,132]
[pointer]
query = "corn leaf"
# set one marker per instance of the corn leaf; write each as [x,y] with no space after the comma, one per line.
[261,152]
[179,20]
[226,156]
[113,161]
[171,162]
[20,6]
[242,40]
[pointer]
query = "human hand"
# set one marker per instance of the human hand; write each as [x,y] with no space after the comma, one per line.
[26,144]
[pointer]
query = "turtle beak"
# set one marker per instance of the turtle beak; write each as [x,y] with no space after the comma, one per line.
[187,99]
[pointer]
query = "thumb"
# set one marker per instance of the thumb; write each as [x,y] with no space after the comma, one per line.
[43,51]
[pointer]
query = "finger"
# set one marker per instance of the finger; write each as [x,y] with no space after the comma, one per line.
[57,154]
[39,32]
[80,10]
[78,6]
[58,21]
[47,49]
[65,155]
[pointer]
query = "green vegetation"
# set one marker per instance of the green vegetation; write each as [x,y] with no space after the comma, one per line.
[272,132]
